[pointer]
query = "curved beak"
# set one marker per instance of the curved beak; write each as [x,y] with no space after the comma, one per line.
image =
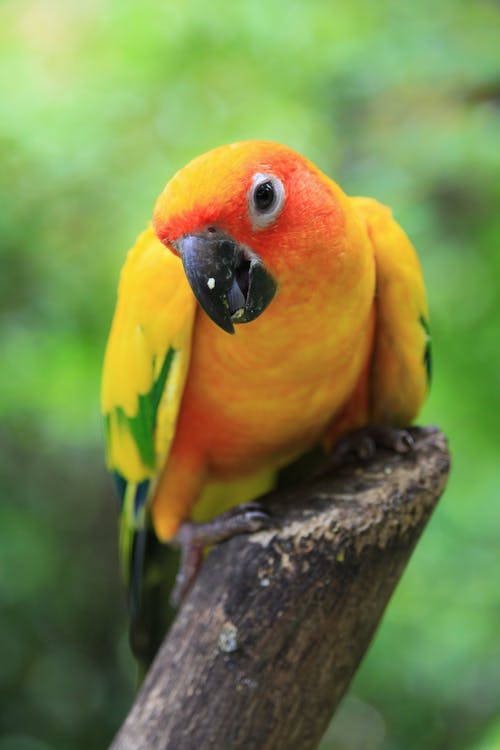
[229,280]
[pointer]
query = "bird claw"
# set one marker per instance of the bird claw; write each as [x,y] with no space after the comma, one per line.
[192,537]
[362,444]
[403,442]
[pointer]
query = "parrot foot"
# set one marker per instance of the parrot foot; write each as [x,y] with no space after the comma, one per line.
[362,444]
[193,537]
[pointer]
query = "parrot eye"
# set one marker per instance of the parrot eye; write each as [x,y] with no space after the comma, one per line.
[266,198]
[263,196]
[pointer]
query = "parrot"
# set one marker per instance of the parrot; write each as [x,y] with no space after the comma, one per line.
[261,314]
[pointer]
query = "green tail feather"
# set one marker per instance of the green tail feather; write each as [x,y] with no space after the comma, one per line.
[149,568]
[151,614]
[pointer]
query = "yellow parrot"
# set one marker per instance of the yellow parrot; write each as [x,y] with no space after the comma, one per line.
[263,313]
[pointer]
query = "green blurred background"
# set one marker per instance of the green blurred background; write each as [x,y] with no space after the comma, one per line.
[101,102]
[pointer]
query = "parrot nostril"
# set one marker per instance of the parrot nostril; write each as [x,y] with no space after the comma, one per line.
[211,230]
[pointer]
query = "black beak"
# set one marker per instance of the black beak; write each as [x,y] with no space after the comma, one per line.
[229,280]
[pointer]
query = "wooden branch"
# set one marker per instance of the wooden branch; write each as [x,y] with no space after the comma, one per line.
[271,634]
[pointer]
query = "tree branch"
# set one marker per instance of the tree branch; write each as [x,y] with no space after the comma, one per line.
[271,634]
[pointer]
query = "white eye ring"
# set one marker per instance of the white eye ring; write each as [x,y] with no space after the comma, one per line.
[265,199]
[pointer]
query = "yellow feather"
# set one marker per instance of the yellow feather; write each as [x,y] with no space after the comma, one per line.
[399,377]
[154,314]
[122,452]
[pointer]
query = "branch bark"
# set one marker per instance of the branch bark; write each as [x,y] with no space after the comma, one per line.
[274,629]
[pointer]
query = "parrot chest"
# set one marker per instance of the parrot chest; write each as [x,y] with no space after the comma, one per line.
[261,397]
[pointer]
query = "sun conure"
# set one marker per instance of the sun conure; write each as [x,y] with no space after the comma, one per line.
[262,313]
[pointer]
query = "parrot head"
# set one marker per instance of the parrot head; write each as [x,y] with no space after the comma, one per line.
[243,218]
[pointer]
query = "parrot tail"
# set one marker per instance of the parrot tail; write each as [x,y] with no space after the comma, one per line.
[149,570]
[152,576]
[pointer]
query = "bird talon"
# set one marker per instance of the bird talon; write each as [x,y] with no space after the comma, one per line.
[362,444]
[257,519]
[193,537]
[404,442]
[365,449]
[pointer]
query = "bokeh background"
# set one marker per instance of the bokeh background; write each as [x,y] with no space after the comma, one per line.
[100,102]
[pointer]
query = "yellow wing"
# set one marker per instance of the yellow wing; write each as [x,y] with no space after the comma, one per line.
[145,368]
[401,367]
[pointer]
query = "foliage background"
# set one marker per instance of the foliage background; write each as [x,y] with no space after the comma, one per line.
[101,102]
